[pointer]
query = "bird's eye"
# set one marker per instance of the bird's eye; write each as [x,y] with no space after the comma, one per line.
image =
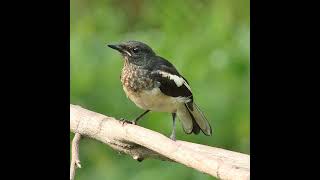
[135,50]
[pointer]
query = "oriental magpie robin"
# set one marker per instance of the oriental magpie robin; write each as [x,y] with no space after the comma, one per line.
[154,84]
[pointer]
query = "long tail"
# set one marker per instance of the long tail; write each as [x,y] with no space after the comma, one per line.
[193,120]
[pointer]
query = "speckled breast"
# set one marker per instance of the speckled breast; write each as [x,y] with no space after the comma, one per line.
[136,79]
[144,92]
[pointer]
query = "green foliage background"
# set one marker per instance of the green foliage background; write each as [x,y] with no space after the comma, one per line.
[207,40]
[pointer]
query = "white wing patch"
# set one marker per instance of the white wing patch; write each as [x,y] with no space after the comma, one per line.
[178,80]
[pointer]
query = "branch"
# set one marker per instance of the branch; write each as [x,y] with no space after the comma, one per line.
[142,143]
[75,162]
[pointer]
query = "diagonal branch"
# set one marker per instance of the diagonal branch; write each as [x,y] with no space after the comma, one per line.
[142,143]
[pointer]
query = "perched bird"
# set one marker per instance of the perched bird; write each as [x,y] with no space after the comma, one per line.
[154,84]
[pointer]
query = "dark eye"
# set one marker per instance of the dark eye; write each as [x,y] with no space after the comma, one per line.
[135,50]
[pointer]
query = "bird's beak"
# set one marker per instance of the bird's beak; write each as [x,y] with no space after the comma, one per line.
[116,47]
[120,48]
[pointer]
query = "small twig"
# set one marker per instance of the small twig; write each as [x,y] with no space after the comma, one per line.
[75,162]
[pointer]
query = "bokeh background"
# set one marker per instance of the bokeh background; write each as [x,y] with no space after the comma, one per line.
[207,41]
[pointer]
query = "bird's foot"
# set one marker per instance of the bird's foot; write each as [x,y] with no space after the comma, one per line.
[127,121]
[173,137]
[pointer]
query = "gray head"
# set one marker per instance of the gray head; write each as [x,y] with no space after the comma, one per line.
[134,51]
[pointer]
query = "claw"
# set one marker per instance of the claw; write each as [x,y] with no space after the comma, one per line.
[173,137]
[127,121]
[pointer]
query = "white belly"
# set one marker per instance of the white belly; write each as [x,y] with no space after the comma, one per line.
[155,100]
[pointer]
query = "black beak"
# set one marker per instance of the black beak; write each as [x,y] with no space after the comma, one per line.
[121,48]
[116,47]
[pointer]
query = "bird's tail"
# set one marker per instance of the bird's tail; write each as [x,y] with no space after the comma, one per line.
[192,119]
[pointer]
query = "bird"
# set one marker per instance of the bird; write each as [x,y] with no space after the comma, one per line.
[153,84]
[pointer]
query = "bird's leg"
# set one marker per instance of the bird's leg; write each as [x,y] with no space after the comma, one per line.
[135,120]
[173,134]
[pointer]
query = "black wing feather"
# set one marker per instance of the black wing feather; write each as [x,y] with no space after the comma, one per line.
[168,86]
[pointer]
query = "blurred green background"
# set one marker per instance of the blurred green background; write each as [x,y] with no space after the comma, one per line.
[207,41]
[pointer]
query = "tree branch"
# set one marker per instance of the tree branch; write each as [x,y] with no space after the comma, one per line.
[75,161]
[142,143]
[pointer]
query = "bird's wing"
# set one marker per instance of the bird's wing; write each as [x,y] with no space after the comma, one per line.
[171,82]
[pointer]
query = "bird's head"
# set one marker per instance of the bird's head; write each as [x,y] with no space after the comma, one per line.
[134,51]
